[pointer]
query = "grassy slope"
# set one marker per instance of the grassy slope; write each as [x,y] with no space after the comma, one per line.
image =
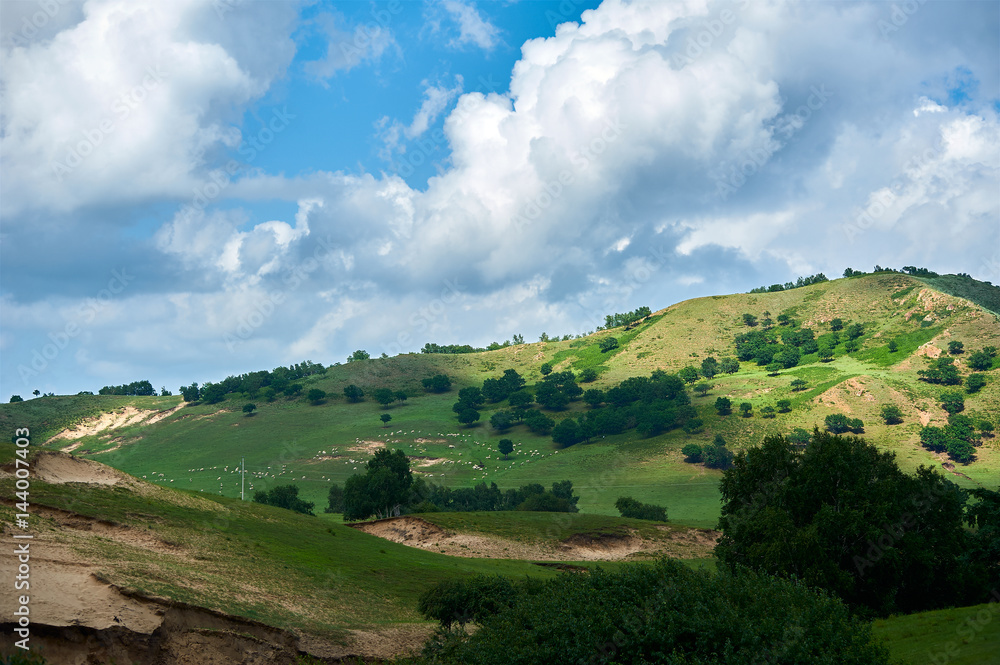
[959,636]
[200,447]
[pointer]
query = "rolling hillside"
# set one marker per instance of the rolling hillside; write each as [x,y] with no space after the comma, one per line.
[198,447]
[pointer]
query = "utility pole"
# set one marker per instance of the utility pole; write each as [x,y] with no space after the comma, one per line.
[243,470]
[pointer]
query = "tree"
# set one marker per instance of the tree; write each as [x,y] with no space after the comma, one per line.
[360,354]
[608,344]
[893,346]
[933,438]
[842,516]
[315,395]
[716,455]
[709,367]
[467,416]
[505,446]
[190,393]
[746,409]
[566,433]
[384,396]
[799,384]
[335,500]
[961,450]
[854,331]
[836,324]
[249,408]
[545,369]
[773,369]
[952,402]
[702,388]
[688,374]
[439,383]
[767,412]
[384,488]
[955,347]
[594,397]
[588,375]
[660,612]
[629,507]
[986,428]
[36,392]
[980,361]
[799,437]
[892,414]
[749,320]
[692,453]
[400,396]
[520,399]
[723,405]
[352,393]
[826,354]
[385,418]
[285,496]
[974,383]
[16,398]
[729,365]
[501,421]
[784,405]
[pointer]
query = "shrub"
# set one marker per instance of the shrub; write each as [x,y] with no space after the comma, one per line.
[723,405]
[629,507]
[608,344]
[315,395]
[891,414]
[952,402]
[692,453]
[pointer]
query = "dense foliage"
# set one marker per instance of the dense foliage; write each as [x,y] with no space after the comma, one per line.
[629,507]
[652,613]
[284,496]
[483,497]
[842,516]
[800,282]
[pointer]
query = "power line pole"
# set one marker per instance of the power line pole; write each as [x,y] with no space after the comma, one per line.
[243,470]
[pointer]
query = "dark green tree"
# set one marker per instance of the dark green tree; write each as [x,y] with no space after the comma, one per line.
[955,347]
[842,516]
[746,409]
[594,397]
[468,416]
[784,405]
[723,405]
[952,402]
[385,418]
[384,396]
[608,344]
[749,320]
[799,384]
[702,388]
[709,367]
[360,354]
[16,398]
[249,408]
[629,507]
[315,395]
[284,496]
[892,414]
[501,421]
[505,446]
[383,490]
[974,382]
[692,453]
[729,365]
[836,324]
[979,361]
[439,383]
[588,375]
[520,399]
[893,346]
[400,396]
[353,393]
[545,369]
[688,374]
[767,412]
[335,499]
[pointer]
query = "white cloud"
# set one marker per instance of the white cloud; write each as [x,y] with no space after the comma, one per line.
[347,48]
[122,105]
[436,99]
[473,28]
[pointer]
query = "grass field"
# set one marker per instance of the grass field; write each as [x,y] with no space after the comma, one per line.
[199,447]
[959,636]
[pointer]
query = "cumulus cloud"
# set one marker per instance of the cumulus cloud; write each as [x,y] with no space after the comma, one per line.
[124,104]
[436,99]
[347,48]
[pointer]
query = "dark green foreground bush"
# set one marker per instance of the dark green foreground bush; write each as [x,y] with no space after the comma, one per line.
[652,613]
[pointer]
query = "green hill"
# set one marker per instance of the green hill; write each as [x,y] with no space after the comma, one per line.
[199,447]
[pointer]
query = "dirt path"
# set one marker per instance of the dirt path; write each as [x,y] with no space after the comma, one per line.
[417,532]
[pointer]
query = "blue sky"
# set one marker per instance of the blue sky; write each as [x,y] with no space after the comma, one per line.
[198,188]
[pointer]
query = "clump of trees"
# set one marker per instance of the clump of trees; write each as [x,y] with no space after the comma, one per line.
[800,282]
[253,384]
[838,423]
[629,507]
[840,515]
[958,438]
[941,371]
[644,613]
[982,360]
[429,497]
[439,383]
[284,496]
[136,388]
[626,319]
[715,455]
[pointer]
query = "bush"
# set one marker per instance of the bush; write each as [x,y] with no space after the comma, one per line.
[952,402]
[588,375]
[723,405]
[315,395]
[629,507]
[648,613]
[284,496]
[439,383]
[716,455]
[746,409]
[608,344]
[974,383]
[892,414]
[692,453]
[784,405]
[335,499]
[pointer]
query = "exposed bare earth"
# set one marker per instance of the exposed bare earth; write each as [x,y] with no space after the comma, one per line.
[113,420]
[417,532]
